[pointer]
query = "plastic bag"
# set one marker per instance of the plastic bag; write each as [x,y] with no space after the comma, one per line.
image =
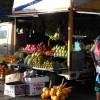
[98,78]
[98,69]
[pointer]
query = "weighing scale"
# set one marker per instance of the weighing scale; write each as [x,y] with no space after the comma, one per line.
[78,44]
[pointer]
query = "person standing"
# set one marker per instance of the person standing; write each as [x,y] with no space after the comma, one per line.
[95,52]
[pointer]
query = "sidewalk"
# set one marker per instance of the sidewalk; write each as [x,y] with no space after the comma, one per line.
[4,97]
[83,93]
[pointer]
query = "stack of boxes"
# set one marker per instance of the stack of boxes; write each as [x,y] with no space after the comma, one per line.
[14,85]
[35,85]
[26,87]
[14,90]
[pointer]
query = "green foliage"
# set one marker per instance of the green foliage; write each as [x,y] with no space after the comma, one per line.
[6,5]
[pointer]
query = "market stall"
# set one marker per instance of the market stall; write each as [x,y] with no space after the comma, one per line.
[46,6]
[42,62]
[35,8]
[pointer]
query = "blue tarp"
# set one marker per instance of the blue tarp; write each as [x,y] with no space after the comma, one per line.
[2,12]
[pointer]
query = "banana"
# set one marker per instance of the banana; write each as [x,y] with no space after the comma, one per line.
[57,36]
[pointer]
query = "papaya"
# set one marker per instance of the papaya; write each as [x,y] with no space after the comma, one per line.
[26,59]
[29,61]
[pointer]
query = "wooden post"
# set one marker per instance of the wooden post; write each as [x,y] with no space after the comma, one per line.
[70,33]
[12,38]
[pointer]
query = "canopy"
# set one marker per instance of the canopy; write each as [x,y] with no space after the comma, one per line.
[92,5]
[30,6]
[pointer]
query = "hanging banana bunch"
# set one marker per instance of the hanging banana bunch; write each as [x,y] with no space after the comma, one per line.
[57,36]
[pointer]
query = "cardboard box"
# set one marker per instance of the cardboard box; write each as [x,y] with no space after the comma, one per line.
[14,78]
[14,90]
[36,79]
[34,89]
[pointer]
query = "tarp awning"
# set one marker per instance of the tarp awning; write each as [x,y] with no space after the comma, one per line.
[31,6]
[2,12]
[92,5]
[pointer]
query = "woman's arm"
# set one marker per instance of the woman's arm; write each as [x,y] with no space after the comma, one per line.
[93,56]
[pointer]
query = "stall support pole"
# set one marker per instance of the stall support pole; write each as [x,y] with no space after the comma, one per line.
[12,49]
[70,34]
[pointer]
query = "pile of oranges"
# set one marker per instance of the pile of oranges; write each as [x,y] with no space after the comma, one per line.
[59,92]
[10,58]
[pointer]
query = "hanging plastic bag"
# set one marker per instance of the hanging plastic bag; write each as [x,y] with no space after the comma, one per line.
[98,69]
[98,78]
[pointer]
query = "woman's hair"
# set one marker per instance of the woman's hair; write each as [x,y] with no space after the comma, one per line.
[97,39]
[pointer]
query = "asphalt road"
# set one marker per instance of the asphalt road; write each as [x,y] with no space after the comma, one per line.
[81,92]
[78,94]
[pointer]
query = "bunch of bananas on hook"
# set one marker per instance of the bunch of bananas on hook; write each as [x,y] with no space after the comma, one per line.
[56,36]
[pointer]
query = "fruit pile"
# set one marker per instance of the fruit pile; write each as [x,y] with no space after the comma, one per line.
[60,51]
[59,92]
[49,52]
[30,48]
[34,57]
[19,54]
[40,61]
[10,58]
[5,71]
[1,58]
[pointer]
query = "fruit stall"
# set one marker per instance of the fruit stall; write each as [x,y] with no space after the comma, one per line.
[47,55]
[48,35]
